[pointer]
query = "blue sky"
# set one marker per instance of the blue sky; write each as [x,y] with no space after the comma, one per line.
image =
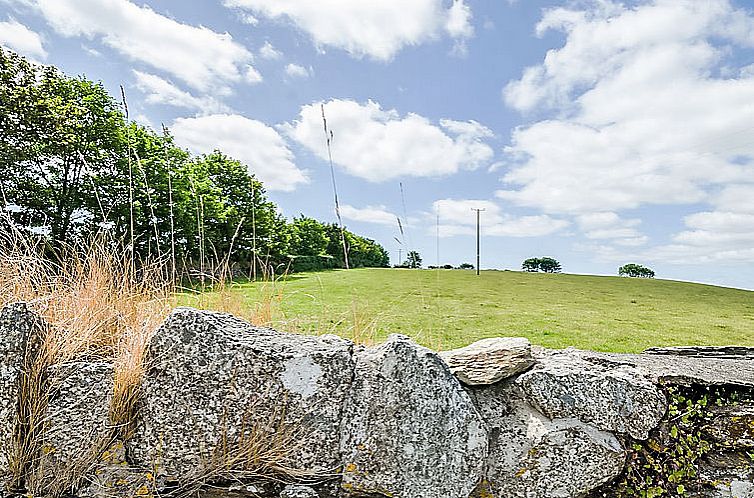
[595,132]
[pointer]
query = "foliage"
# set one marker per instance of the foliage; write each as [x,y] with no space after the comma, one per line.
[466,266]
[72,166]
[545,264]
[635,270]
[413,260]
[668,463]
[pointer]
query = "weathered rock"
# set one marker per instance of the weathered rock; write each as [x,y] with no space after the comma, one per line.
[683,369]
[611,398]
[409,429]
[77,428]
[732,425]
[532,456]
[489,360]
[20,330]
[722,352]
[296,491]
[214,378]
[733,489]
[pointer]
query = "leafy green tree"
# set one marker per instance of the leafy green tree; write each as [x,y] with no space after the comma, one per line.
[466,266]
[531,264]
[545,264]
[549,265]
[635,270]
[413,260]
[308,237]
[58,132]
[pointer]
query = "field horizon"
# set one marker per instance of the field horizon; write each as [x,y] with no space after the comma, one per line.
[445,309]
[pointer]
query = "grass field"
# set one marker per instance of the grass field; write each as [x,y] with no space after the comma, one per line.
[451,308]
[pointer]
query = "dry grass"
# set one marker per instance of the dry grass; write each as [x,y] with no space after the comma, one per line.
[98,305]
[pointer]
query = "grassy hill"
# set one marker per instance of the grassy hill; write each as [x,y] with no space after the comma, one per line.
[451,308]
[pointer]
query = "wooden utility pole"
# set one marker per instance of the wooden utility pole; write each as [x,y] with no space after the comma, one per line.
[478,211]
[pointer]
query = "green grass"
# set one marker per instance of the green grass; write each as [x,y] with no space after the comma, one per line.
[451,308]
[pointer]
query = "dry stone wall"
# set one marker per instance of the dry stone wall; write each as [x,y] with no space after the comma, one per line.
[227,409]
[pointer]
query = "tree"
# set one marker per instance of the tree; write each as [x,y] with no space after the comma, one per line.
[466,266]
[58,132]
[635,270]
[545,264]
[413,260]
[531,264]
[549,265]
[308,237]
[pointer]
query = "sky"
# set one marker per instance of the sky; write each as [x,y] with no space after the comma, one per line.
[595,132]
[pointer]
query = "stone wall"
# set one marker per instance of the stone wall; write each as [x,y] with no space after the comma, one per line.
[229,409]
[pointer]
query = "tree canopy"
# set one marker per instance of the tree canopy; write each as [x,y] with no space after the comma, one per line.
[544,264]
[73,165]
[635,270]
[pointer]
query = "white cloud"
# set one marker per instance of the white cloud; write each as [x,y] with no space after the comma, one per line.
[457,217]
[369,214]
[21,39]
[296,71]
[636,123]
[608,225]
[160,91]
[644,105]
[375,29]
[378,145]
[204,59]
[269,52]
[254,143]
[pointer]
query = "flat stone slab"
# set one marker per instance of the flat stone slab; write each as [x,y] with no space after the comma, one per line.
[409,429]
[684,369]
[489,360]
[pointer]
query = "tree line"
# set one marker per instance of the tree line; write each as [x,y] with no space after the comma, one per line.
[73,165]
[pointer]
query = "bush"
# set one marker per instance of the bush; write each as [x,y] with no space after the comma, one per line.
[466,266]
[634,270]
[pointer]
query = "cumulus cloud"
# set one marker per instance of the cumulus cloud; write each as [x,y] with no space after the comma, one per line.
[458,218]
[296,71]
[21,39]
[161,91]
[375,29]
[254,143]
[370,214]
[378,144]
[269,52]
[643,105]
[204,59]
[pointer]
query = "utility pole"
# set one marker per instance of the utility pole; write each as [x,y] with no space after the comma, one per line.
[400,251]
[478,211]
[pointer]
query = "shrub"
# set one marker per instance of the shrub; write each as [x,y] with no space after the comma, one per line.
[466,266]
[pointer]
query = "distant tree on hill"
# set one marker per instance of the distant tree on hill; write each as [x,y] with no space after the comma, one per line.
[466,266]
[549,265]
[413,260]
[635,270]
[545,264]
[531,264]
